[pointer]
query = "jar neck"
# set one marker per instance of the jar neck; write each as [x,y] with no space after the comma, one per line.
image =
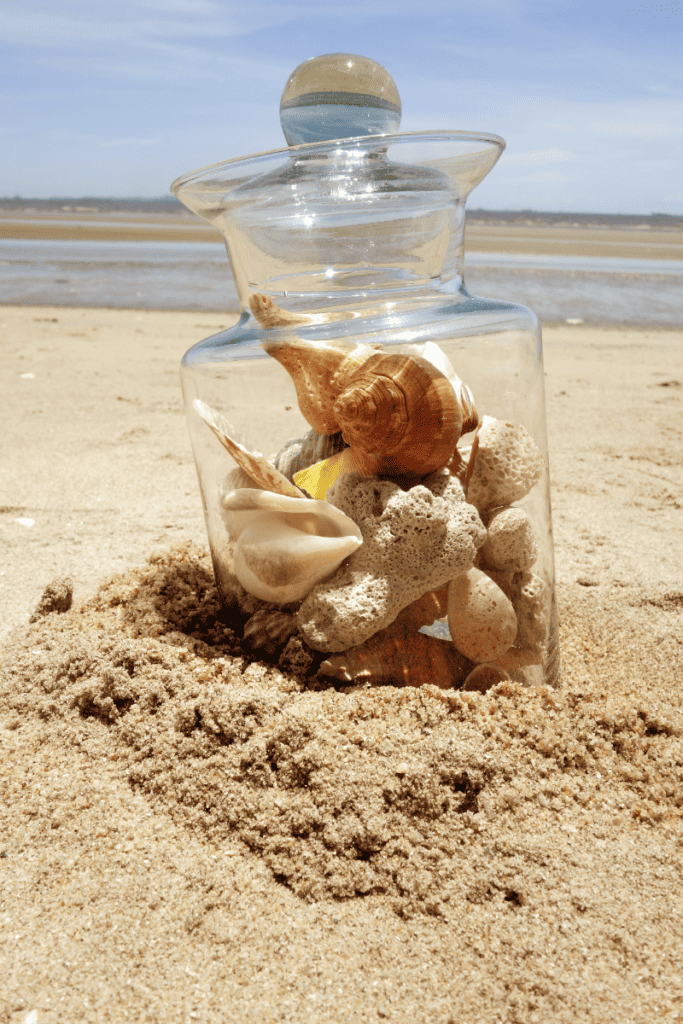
[315,263]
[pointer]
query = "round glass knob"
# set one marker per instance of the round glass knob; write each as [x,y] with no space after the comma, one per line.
[338,96]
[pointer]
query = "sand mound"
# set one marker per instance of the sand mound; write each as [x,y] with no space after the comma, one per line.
[370,792]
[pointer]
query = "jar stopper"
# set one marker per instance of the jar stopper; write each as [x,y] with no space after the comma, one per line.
[338,96]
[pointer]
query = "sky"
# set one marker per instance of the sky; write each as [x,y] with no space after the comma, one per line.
[119,97]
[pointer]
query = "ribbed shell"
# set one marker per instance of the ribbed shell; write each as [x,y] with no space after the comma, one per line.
[400,416]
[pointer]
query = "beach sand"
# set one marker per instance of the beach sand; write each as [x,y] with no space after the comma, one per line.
[191,834]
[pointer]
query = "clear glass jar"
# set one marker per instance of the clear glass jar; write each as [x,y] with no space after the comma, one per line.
[359,241]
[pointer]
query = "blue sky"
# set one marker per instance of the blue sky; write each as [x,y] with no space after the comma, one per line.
[119,97]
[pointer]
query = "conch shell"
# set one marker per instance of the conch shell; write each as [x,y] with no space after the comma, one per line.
[285,545]
[400,416]
[430,351]
[320,371]
[255,465]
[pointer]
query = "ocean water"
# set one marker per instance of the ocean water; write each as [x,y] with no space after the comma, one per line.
[196,276]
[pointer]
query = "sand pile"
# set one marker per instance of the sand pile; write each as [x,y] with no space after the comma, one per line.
[556,814]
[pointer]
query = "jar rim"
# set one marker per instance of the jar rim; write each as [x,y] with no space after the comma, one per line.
[357,142]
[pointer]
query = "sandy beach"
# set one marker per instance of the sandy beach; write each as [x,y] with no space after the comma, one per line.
[189,833]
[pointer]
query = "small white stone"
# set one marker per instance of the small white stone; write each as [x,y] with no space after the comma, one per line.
[481,619]
[510,543]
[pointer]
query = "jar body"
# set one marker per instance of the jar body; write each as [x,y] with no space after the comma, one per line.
[494,348]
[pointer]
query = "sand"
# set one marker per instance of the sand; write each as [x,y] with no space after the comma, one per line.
[190,833]
[549,239]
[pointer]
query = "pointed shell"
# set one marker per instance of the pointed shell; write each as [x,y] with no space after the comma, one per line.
[400,416]
[438,358]
[270,315]
[255,465]
[285,546]
[320,371]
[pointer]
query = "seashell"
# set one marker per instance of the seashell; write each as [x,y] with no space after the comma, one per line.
[285,545]
[521,657]
[269,630]
[510,544]
[254,464]
[320,371]
[302,452]
[427,609]
[504,465]
[398,656]
[270,315]
[399,415]
[481,618]
[438,358]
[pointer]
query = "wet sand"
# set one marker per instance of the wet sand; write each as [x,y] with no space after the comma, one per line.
[188,833]
[517,239]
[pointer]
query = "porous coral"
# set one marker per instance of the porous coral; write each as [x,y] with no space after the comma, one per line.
[413,541]
[504,465]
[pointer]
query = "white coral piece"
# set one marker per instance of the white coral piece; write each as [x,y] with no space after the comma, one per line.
[510,542]
[504,465]
[413,541]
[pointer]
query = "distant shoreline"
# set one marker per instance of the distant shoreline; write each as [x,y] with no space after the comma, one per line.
[172,208]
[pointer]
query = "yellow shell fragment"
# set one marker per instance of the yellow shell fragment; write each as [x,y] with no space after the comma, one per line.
[254,464]
[318,479]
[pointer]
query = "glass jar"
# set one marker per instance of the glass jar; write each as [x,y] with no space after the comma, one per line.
[360,353]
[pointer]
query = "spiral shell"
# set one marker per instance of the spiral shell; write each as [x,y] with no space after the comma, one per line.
[400,416]
[430,351]
[320,371]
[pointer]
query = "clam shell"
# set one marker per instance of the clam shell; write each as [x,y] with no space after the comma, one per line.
[254,464]
[481,618]
[286,545]
[302,452]
[400,416]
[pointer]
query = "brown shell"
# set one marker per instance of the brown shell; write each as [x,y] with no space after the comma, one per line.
[399,657]
[400,416]
[320,371]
